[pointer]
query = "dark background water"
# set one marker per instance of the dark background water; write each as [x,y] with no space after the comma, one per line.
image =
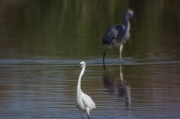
[42,40]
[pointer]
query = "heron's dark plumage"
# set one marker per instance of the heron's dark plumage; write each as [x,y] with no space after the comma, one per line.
[115,32]
[118,34]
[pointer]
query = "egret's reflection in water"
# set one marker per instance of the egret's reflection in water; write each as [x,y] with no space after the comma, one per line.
[117,85]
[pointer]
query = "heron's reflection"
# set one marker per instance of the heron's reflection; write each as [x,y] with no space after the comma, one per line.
[117,85]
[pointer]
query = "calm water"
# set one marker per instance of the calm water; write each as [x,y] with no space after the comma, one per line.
[42,42]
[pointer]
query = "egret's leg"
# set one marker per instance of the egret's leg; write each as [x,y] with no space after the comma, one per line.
[80,113]
[77,107]
[88,111]
[120,51]
[75,101]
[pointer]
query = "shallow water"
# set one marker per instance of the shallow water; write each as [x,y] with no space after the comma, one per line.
[47,90]
[42,42]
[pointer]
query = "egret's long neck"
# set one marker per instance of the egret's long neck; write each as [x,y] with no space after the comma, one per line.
[79,80]
[126,23]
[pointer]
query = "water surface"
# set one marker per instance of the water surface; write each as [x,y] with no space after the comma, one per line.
[42,42]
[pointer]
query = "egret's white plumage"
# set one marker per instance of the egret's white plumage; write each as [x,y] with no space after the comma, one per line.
[83,101]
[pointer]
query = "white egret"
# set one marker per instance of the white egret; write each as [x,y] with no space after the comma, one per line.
[83,101]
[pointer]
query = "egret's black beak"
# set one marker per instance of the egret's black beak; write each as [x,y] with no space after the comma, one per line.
[77,66]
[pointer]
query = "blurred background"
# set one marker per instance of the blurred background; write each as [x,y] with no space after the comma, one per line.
[42,40]
[68,29]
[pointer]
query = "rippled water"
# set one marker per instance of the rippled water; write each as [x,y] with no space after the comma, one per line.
[42,41]
[46,89]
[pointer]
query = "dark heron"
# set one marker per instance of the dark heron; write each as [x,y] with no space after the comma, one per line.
[118,34]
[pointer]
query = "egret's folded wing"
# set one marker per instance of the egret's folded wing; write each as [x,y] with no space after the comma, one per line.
[88,102]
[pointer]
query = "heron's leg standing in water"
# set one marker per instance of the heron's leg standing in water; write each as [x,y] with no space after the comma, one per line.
[120,51]
[121,74]
[104,55]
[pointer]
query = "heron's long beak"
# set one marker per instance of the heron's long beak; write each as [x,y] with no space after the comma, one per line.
[134,18]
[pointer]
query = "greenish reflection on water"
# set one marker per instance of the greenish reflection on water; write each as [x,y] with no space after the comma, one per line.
[74,29]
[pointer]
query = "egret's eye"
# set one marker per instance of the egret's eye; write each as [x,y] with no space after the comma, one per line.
[81,64]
